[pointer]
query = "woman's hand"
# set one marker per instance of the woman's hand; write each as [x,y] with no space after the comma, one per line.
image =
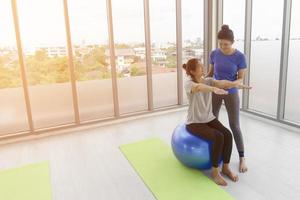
[220,91]
[242,86]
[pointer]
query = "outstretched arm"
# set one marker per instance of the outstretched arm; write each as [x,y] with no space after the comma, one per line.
[225,84]
[201,87]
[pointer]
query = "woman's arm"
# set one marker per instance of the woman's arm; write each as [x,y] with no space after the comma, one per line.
[240,76]
[225,84]
[200,87]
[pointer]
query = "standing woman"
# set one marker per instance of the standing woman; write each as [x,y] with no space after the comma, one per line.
[228,63]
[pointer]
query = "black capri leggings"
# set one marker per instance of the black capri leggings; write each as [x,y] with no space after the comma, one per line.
[219,135]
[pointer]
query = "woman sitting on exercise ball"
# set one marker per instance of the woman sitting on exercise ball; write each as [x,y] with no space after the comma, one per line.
[202,123]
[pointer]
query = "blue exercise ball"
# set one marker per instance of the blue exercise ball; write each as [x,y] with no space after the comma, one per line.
[190,150]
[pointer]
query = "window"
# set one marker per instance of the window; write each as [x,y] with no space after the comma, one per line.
[292,109]
[234,16]
[192,33]
[129,35]
[232,9]
[164,65]
[43,36]
[12,103]
[88,23]
[265,55]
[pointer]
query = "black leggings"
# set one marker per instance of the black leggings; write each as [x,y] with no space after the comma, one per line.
[219,135]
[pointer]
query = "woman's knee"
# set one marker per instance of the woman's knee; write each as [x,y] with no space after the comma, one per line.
[219,137]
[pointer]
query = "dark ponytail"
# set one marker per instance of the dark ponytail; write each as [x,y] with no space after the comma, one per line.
[226,33]
[225,27]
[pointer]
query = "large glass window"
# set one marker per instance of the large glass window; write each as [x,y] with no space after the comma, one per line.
[232,9]
[88,23]
[292,109]
[12,104]
[129,35]
[43,35]
[265,55]
[164,65]
[192,33]
[234,16]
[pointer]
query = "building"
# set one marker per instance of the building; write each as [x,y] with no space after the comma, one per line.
[192,53]
[54,51]
[124,58]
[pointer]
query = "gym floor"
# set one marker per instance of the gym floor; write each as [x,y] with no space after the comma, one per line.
[87,164]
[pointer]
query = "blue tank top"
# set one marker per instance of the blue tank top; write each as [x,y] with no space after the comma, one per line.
[226,67]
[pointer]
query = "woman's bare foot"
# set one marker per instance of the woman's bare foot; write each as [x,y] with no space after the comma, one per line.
[227,171]
[243,167]
[217,177]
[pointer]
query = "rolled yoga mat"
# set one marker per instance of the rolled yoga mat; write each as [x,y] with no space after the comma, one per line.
[30,182]
[168,179]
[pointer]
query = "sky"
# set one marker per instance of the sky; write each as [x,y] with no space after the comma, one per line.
[266,18]
[42,21]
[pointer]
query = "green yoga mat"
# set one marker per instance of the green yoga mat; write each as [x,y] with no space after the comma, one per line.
[30,182]
[167,179]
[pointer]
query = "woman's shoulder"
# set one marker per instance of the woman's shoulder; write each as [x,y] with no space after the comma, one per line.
[189,81]
[188,84]
[215,51]
[239,53]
